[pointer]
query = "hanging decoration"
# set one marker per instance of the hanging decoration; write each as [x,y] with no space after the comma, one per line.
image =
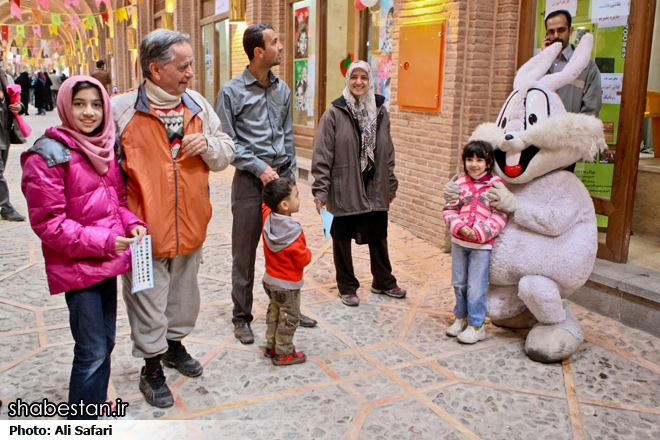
[359,5]
[69,3]
[343,65]
[369,3]
[15,9]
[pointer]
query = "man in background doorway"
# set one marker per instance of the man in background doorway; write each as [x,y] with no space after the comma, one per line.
[584,94]
[103,76]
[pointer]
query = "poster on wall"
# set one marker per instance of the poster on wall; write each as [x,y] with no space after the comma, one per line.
[555,5]
[301,84]
[304,66]
[302,33]
[379,55]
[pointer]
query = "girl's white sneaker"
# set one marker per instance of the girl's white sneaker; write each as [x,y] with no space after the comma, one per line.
[472,334]
[457,327]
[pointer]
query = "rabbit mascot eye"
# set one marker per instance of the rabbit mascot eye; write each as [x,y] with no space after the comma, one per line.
[548,249]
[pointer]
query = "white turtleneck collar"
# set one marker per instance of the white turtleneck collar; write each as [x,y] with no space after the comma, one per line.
[159,98]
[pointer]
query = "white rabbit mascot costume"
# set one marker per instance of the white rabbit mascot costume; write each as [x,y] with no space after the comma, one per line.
[548,249]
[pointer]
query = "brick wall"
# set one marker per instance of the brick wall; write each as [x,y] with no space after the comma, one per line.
[479,68]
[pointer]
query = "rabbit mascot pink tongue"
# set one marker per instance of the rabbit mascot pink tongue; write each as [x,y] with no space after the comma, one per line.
[548,249]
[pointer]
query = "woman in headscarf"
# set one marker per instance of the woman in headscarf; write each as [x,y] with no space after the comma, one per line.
[40,90]
[353,168]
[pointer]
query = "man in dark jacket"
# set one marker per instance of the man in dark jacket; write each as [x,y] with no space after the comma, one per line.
[7,113]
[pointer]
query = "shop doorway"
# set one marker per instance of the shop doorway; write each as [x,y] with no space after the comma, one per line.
[627,46]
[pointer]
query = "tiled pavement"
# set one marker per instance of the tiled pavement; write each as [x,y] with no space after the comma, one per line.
[382,370]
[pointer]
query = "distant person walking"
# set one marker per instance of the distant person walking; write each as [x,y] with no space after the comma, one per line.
[57,82]
[103,76]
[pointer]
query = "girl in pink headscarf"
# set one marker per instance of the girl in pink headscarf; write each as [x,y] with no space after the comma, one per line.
[77,206]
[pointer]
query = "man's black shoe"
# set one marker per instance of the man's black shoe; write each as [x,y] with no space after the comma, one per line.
[12,216]
[177,357]
[243,333]
[155,390]
[306,321]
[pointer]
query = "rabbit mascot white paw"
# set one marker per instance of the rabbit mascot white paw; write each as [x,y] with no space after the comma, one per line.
[548,249]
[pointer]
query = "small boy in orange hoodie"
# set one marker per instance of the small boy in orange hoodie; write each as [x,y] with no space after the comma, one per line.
[287,255]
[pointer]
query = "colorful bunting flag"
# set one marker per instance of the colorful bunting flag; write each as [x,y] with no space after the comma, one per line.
[36,16]
[121,15]
[69,3]
[25,52]
[16,11]
[107,3]
[55,19]
[36,30]
[75,20]
[53,29]
[105,17]
[19,40]
[20,30]
[5,33]
[90,21]
[43,4]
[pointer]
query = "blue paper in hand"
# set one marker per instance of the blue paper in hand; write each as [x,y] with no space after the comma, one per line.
[327,222]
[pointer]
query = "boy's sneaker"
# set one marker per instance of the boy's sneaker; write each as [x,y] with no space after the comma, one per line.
[155,390]
[472,334]
[180,359]
[397,292]
[350,300]
[270,352]
[296,357]
[458,326]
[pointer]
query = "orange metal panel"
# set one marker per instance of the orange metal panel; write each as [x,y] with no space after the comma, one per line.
[421,60]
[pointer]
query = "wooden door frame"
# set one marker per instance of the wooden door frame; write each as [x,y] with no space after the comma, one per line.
[619,207]
[212,20]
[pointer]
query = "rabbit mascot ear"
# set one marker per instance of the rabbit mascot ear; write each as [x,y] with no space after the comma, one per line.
[548,248]
[533,134]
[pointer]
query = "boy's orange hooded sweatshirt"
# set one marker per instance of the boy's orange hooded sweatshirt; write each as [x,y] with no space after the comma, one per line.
[285,249]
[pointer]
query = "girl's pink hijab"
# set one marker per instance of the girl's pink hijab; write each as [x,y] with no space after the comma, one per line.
[99,149]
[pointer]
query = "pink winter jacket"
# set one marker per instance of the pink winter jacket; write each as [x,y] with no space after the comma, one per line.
[472,208]
[76,213]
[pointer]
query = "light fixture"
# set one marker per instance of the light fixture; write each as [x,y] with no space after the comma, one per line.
[168,20]
[236,11]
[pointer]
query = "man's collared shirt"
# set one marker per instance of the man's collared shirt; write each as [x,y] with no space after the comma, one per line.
[258,119]
[583,94]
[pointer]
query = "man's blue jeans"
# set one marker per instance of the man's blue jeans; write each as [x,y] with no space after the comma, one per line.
[469,276]
[92,316]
